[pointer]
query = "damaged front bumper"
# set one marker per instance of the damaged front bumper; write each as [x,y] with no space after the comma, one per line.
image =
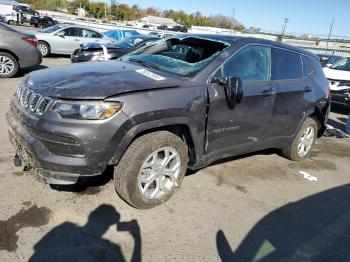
[46,165]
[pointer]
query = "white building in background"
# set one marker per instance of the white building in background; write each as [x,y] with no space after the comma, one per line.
[81,12]
[153,21]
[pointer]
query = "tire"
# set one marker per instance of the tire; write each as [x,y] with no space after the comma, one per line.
[44,48]
[8,65]
[11,22]
[299,150]
[130,181]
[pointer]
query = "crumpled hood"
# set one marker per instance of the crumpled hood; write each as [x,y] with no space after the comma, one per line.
[97,80]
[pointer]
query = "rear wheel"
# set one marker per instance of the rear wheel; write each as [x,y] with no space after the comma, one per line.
[302,144]
[8,65]
[151,169]
[11,22]
[44,48]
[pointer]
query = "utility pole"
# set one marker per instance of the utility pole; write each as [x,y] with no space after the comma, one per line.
[286,21]
[330,34]
[233,19]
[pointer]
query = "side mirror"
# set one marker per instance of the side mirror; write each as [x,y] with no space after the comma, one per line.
[60,34]
[233,89]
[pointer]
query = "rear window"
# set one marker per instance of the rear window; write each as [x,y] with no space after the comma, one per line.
[285,65]
[308,65]
[312,67]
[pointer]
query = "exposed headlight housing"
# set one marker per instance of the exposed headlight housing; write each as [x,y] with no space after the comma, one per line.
[86,110]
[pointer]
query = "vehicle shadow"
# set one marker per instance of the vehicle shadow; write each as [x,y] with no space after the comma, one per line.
[315,228]
[24,71]
[70,242]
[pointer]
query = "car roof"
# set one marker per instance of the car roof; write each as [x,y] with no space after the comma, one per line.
[67,25]
[232,39]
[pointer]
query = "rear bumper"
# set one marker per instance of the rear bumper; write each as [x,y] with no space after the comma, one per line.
[31,57]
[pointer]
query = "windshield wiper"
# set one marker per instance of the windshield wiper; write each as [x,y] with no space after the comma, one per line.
[144,63]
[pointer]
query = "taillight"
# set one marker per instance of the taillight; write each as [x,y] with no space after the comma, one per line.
[30,40]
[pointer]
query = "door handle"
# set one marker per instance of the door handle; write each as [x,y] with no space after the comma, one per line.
[269,92]
[76,40]
[307,89]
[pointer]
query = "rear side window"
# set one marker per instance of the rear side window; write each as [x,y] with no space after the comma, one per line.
[250,64]
[285,65]
[90,34]
[308,66]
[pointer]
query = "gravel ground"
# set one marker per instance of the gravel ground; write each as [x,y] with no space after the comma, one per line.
[256,207]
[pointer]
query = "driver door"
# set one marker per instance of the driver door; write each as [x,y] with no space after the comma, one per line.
[241,129]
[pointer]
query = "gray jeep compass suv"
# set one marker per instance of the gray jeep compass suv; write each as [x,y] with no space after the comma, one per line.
[182,102]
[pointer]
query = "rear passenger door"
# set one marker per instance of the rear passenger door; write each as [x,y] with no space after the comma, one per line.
[293,93]
[241,129]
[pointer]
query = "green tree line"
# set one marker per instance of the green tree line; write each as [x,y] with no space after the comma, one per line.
[124,12]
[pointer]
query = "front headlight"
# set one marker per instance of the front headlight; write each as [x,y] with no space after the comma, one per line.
[86,110]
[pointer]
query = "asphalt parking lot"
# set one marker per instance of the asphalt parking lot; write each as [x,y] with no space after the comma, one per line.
[256,207]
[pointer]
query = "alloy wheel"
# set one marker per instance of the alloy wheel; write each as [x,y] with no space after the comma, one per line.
[159,172]
[43,49]
[6,65]
[305,142]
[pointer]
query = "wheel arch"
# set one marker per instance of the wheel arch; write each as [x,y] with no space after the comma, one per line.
[10,52]
[179,127]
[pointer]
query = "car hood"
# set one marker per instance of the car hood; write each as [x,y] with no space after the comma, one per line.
[97,80]
[336,74]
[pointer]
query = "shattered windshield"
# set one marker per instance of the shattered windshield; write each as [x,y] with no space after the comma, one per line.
[183,56]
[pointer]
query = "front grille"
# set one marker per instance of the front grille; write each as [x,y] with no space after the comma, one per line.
[32,101]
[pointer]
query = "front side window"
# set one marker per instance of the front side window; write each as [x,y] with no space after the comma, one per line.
[72,31]
[285,65]
[250,64]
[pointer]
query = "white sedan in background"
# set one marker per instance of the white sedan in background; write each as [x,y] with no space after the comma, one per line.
[65,38]
[339,77]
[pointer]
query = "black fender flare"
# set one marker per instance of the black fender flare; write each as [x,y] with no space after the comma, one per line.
[156,124]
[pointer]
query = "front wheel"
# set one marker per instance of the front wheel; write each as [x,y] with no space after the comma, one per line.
[151,169]
[302,144]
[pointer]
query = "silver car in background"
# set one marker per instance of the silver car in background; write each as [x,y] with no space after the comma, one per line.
[65,38]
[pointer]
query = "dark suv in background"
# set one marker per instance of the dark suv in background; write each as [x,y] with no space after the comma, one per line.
[180,103]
